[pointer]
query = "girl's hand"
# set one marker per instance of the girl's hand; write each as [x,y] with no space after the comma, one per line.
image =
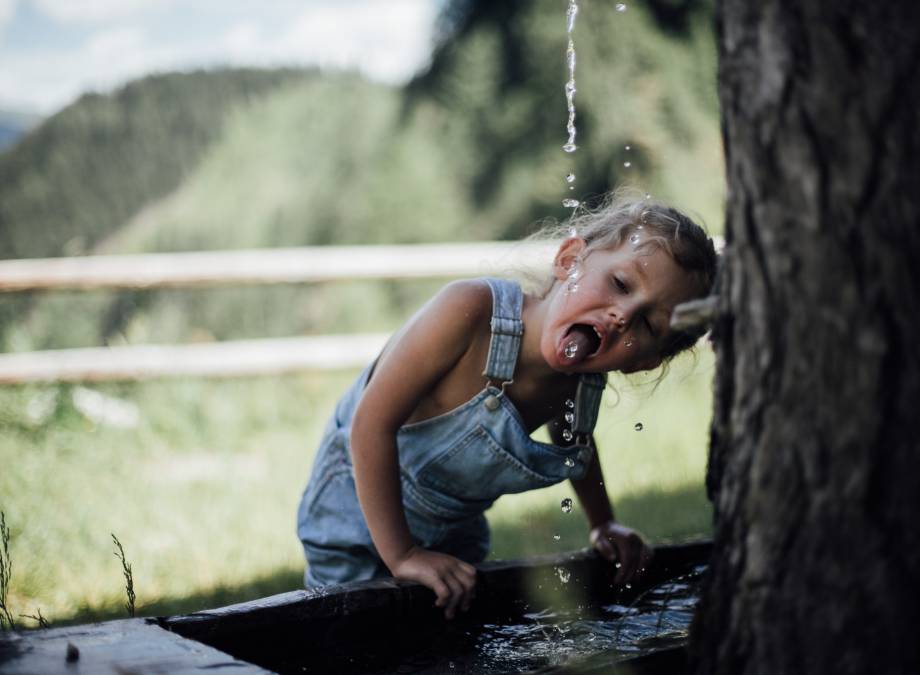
[451,579]
[623,545]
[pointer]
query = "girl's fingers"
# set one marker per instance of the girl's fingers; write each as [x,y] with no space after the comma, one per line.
[466,584]
[606,548]
[456,594]
[623,562]
[634,547]
[441,591]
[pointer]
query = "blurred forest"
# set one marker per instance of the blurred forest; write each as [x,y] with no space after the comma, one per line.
[469,150]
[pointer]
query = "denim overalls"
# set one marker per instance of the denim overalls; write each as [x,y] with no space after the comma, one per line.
[453,466]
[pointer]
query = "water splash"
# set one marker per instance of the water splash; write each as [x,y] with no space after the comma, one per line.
[627,164]
[570,178]
[570,203]
[566,505]
[621,7]
[563,574]
[570,404]
[567,435]
[570,13]
[570,417]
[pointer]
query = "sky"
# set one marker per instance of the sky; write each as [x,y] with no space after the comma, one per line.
[51,51]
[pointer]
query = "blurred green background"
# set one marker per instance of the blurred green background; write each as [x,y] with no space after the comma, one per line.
[202,490]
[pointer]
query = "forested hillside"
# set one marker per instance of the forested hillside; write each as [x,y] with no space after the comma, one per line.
[471,149]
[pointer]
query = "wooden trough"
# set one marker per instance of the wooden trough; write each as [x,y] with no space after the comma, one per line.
[366,627]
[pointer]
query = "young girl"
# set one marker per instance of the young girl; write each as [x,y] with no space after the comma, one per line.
[439,426]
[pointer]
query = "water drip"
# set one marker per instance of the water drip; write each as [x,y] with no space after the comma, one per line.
[570,58]
[566,505]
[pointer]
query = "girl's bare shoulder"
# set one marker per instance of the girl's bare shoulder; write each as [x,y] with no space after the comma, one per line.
[468,300]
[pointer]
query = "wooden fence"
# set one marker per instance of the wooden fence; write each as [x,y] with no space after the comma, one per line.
[268,266]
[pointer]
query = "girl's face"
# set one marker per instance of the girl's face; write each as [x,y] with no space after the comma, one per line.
[611,309]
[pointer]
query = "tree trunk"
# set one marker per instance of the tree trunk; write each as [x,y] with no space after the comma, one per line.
[813,468]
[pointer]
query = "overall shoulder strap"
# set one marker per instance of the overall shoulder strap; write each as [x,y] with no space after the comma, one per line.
[507,329]
[587,402]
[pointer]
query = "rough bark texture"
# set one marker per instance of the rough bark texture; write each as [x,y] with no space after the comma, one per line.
[814,468]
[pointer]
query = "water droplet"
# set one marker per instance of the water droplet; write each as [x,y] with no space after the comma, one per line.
[566,505]
[451,665]
[648,196]
[557,537]
[638,426]
[570,404]
[563,574]
[567,435]
[570,178]
[621,7]
[628,585]
[627,164]
[569,462]
[570,203]
[570,417]
[570,13]
[570,147]
[617,565]
[628,148]
[570,349]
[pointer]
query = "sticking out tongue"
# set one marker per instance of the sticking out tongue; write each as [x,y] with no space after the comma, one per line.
[579,343]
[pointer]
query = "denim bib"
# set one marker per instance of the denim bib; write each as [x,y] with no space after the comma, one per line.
[452,466]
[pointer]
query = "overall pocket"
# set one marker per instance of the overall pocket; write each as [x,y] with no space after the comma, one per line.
[476,471]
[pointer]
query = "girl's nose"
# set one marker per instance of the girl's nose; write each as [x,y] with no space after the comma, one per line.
[621,317]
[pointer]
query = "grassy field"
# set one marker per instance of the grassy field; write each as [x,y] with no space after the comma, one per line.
[202,492]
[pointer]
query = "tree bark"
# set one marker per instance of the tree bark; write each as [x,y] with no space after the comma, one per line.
[813,467]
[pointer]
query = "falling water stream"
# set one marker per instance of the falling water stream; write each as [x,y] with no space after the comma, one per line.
[571,13]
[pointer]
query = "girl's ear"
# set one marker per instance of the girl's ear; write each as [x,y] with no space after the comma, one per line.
[569,254]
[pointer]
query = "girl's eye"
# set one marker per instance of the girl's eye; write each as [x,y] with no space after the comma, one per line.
[619,284]
[648,325]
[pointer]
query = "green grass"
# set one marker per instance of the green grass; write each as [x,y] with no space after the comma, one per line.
[203,492]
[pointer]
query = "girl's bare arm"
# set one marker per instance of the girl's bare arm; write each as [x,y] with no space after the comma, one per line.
[616,542]
[426,350]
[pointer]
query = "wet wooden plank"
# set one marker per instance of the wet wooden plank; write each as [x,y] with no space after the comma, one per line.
[136,646]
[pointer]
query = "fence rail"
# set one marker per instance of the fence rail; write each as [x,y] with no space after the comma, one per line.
[216,268]
[219,359]
[270,266]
